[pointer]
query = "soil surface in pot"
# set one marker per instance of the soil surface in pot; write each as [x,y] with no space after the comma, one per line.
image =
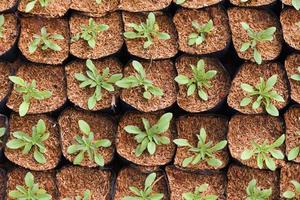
[5,85]
[198,3]
[10,33]
[292,63]
[2,183]
[7,4]
[288,173]
[252,3]
[141,6]
[90,7]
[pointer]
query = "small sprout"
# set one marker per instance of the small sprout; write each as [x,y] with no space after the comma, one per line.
[32,3]
[290,194]
[296,4]
[29,92]
[89,32]
[264,35]
[86,196]
[294,152]
[30,191]
[197,194]
[147,193]
[296,77]
[35,141]
[151,135]
[87,144]
[256,193]
[179,2]
[97,81]
[201,32]
[265,94]
[2,20]
[148,30]
[200,81]
[265,153]
[140,79]
[204,151]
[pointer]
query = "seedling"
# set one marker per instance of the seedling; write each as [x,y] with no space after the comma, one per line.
[147,193]
[32,3]
[140,79]
[200,81]
[198,194]
[256,193]
[86,196]
[2,132]
[35,141]
[148,31]
[296,4]
[89,32]
[294,152]
[179,2]
[264,94]
[30,191]
[201,32]
[29,92]
[265,152]
[255,37]
[2,20]
[86,144]
[292,194]
[97,81]
[296,77]
[204,151]
[151,135]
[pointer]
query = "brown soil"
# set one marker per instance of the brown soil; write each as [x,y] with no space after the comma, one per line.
[55,8]
[162,73]
[10,33]
[252,3]
[47,78]
[79,96]
[239,178]
[5,86]
[2,183]
[198,3]
[292,62]
[126,144]
[258,20]
[133,177]
[258,128]
[3,124]
[53,149]
[217,93]
[288,173]
[216,129]
[292,118]
[108,42]
[73,181]
[217,40]
[7,4]
[31,26]
[102,125]
[141,6]
[160,49]
[291,32]
[250,73]
[46,181]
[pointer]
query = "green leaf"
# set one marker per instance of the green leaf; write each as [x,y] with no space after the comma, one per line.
[133,129]
[191,89]
[99,159]
[245,101]
[151,148]
[289,194]
[214,162]
[245,46]
[29,179]
[39,157]
[270,163]
[187,161]
[257,56]
[30,6]
[150,180]
[182,80]
[247,87]
[15,144]
[181,142]
[84,127]
[293,154]
[296,4]
[272,110]
[247,154]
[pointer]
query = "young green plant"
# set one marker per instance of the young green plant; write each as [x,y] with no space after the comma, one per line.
[29,92]
[86,144]
[90,32]
[140,79]
[264,94]
[296,4]
[86,196]
[150,136]
[146,193]
[30,5]
[201,80]
[148,31]
[256,37]
[292,194]
[296,76]
[93,79]
[35,142]
[256,193]
[201,32]
[45,40]
[2,21]
[204,151]
[30,191]
[265,152]
[294,152]
[198,194]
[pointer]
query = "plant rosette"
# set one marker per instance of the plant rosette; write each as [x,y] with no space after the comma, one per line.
[134,184]
[203,145]
[292,67]
[259,89]
[195,4]
[9,30]
[93,38]
[132,144]
[198,30]
[294,3]
[150,35]
[259,143]
[45,8]
[49,92]
[75,182]
[213,83]
[5,72]
[251,3]
[143,6]
[103,94]
[256,34]
[87,138]
[252,184]
[290,181]
[6,5]
[196,185]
